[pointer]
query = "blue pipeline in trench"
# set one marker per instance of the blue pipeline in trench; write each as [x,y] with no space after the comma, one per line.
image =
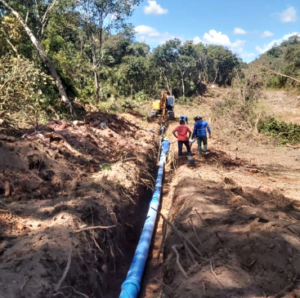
[132,284]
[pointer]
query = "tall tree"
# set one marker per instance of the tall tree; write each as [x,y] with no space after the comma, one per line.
[100,17]
[43,55]
[165,57]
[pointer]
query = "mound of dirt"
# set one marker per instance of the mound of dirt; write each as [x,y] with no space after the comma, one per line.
[244,240]
[71,202]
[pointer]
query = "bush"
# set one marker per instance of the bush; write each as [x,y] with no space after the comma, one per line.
[27,94]
[182,101]
[282,131]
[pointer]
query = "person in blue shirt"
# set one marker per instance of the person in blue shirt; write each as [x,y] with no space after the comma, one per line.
[200,129]
[184,118]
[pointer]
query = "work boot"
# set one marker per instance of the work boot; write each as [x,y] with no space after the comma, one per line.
[200,151]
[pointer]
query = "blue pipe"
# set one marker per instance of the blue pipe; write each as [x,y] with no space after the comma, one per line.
[132,284]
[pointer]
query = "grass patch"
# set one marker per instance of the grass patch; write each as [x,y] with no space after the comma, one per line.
[280,130]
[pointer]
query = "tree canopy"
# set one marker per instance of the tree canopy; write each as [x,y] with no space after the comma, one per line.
[89,49]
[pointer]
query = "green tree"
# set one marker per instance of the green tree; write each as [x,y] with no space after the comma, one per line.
[100,17]
[42,54]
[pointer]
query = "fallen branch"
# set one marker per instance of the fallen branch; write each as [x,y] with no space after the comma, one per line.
[194,229]
[179,234]
[57,286]
[287,287]
[291,146]
[25,282]
[214,274]
[95,227]
[177,260]
[79,293]
[188,251]
[279,73]
[200,217]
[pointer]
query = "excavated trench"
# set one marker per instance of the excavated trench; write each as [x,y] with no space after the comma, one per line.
[131,242]
[130,239]
[228,238]
[72,209]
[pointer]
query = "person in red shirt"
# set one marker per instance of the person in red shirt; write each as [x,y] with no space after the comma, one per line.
[182,133]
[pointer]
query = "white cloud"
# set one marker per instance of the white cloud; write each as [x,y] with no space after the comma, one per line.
[245,56]
[197,40]
[151,35]
[218,38]
[267,34]
[289,15]
[154,8]
[268,46]
[239,31]
[146,30]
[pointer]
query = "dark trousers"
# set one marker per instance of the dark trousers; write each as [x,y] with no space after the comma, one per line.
[187,145]
[201,140]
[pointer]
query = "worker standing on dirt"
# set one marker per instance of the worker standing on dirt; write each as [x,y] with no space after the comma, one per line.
[200,129]
[183,135]
[192,140]
[184,118]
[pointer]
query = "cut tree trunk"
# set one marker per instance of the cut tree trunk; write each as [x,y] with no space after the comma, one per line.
[183,90]
[43,55]
[168,85]
[95,68]
[217,72]
[97,87]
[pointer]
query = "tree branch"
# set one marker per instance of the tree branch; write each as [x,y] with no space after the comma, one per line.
[279,73]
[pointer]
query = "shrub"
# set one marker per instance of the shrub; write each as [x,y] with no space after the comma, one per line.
[284,132]
[27,94]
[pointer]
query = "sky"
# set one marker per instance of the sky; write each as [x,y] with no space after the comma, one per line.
[247,28]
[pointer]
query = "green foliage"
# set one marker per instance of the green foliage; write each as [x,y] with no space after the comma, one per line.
[275,52]
[275,82]
[184,100]
[94,53]
[284,132]
[284,59]
[106,167]
[26,90]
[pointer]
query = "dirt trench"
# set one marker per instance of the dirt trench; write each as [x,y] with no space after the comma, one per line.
[73,199]
[235,226]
